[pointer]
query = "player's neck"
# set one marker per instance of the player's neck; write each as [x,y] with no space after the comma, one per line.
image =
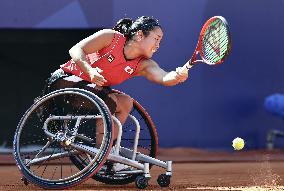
[131,50]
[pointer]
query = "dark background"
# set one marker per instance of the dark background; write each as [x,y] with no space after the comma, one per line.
[28,57]
[213,107]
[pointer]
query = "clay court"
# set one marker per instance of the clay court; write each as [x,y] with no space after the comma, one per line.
[192,170]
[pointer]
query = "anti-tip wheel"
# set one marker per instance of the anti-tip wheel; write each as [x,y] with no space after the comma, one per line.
[164,180]
[141,182]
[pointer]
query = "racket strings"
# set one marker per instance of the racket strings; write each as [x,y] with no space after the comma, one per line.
[221,39]
[215,41]
[217,52]
[216,44]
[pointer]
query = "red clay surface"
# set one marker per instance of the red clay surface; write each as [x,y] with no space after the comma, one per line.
[200,170]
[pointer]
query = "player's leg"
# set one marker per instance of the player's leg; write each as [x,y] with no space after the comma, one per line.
[124,105]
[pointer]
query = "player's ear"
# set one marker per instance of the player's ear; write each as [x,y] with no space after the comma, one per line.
[139,35]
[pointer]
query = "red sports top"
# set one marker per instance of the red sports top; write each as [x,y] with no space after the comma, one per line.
[116,69]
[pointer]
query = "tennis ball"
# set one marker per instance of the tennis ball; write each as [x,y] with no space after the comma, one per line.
[238,143]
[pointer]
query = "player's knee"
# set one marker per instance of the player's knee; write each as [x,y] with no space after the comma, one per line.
[125,103]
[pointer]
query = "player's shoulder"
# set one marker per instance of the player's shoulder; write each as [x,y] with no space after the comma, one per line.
[107,35]
[147,64]
[108,32]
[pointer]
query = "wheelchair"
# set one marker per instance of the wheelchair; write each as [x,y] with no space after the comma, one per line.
[60,143]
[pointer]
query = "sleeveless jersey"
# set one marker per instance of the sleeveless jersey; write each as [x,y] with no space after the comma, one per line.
[116,69]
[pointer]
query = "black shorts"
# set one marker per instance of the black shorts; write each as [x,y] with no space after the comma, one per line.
[60,80]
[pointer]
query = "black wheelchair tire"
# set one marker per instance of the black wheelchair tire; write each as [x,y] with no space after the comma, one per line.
[102,156]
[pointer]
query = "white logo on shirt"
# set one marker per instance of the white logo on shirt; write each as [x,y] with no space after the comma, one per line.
[110,58]
[128,69]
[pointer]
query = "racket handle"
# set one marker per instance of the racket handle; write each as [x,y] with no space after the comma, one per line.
[186,67]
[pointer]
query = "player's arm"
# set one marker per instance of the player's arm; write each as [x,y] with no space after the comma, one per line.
[151,70]
[89,45]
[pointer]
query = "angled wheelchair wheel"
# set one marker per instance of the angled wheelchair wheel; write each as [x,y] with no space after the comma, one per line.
[148,145]
[63,124]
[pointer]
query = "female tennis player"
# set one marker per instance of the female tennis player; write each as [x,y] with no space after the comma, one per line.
[111,56]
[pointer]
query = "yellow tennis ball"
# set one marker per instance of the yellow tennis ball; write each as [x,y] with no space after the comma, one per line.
[238,143]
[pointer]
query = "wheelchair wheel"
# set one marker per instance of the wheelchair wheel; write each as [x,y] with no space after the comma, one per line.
[63,124]
[148,145]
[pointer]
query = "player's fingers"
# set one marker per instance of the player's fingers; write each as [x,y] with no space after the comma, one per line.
[180,73]
[183,74]
[98,81]
[104,80]
[181,77]
[101,79]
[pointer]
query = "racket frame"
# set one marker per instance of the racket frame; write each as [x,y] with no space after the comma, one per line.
[198,50]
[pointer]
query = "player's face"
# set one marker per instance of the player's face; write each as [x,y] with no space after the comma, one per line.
[151,43]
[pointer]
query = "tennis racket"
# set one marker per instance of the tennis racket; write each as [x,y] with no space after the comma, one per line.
[214,43]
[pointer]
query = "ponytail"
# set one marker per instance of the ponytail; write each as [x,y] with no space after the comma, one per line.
[123,26]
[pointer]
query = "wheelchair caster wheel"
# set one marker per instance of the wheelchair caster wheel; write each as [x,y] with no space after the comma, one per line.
[26,182]
[141,182]
[164,180]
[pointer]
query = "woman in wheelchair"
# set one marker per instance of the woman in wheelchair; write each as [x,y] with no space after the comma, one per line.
[65,137]
[111,56]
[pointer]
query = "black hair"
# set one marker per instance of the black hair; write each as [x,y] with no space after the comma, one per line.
[128,27]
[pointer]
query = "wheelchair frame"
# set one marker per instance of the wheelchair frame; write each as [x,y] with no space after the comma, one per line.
[139,163]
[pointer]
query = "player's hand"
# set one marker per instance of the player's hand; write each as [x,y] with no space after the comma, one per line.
[96,77]
[181,76]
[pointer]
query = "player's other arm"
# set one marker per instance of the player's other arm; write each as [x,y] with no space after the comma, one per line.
[151,70]
[90,45]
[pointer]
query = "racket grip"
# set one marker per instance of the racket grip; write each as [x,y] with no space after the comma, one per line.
[186,67]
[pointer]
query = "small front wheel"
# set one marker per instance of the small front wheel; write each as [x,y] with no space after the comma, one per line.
[164,180]
[141,182]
